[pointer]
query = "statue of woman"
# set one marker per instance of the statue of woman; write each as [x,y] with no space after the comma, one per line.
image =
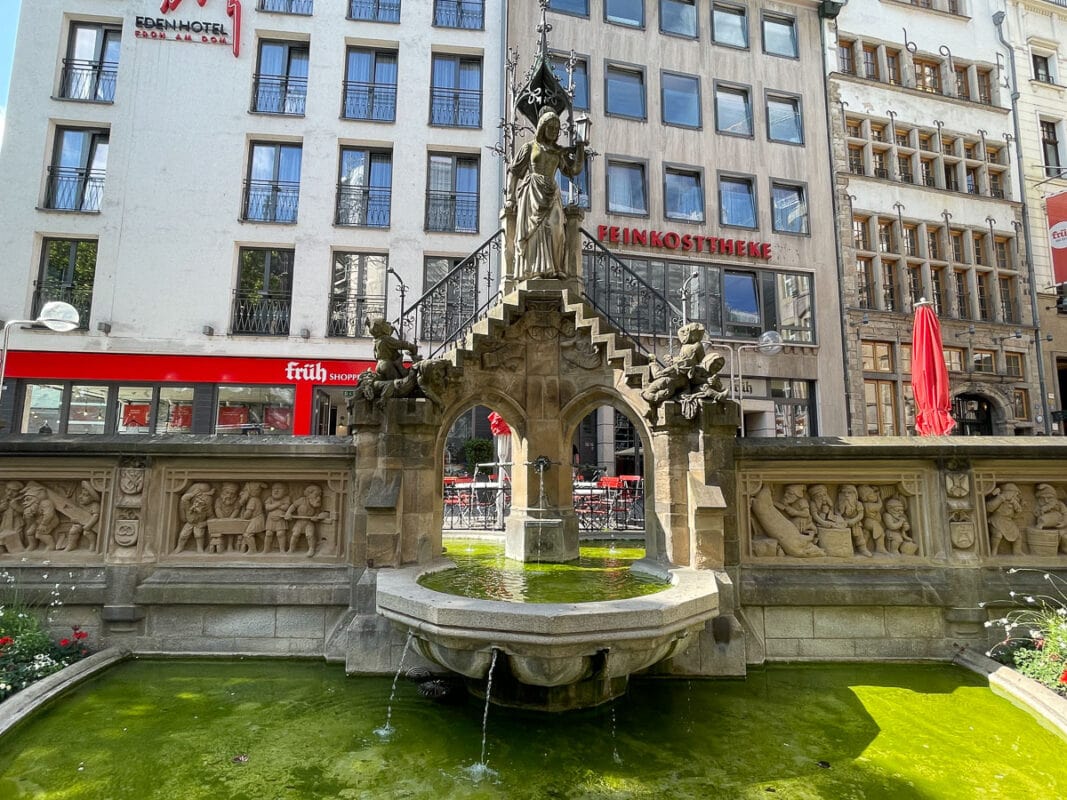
[533,193]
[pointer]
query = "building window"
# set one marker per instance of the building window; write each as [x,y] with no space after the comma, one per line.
[577,7]
[364,188]
[684,195]
[845,61]
[729,26]
[1042,68]
[790,208]
[953,358]
[870,63]
[963,295]
[627,188]
[877,356]
[927,76]
[956,237]
[892,67]
[263,299]
[983,360]
[737,202]
[865,282]
[933,245]
[465,14]
[881,402]
[357,293]
[855,160]
[574,191]
[301,7]
[784,122]
[681,100]
[79,167]
[678,17]
[861,238]
[92,62]
[370,85]
[929,172]
[911,240]
[1008,307]
[578,80]
[963,85]
[68,269]
[985,311]
[937,288]
[741,306]
[254,409]
[374,10]
[890,285]
[272,193]
[733,111]
[625,12]
[1050,148]
[1013,364]
[452,197]
[1021,403]
[904,169]
[780,36]
[452,305]
[456,92]
[281,79]
[985,86]
[625,92]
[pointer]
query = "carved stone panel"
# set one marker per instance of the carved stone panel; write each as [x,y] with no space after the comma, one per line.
[1025,517]
[46,515]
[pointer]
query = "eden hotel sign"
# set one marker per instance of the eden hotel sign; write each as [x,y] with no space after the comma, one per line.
[175,27]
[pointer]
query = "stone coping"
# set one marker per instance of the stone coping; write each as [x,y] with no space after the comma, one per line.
[185,444]
[23,704]
[1049,708]
[1013,448]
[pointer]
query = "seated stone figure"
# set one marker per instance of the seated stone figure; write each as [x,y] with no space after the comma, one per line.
[691,376]
[391,377]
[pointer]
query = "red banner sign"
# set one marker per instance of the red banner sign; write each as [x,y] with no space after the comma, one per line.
[1056,206]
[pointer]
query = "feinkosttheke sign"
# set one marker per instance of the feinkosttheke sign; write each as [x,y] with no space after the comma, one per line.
[192,31]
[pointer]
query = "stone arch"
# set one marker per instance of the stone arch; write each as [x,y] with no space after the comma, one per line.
[595,397]
[1001,412]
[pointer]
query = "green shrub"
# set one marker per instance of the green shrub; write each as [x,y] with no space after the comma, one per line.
[478,451]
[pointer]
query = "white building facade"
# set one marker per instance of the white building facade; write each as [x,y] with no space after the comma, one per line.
[227,191]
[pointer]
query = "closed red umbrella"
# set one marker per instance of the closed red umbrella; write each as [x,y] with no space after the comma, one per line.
[929,375]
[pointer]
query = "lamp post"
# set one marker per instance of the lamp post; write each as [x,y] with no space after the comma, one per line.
[769,344]
[55,315]
[684,294]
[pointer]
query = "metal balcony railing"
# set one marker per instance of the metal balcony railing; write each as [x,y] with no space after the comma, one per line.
[375,101]
[81,297]
[452,211]
[363,207]
[456,108]
[302,7]
[89,80]
[261,313]
[71,189]
[374,10]
[466,14]
[348,317]
[271,201]
[279,94]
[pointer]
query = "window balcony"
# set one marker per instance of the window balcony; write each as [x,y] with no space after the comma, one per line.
[81,297]
[71,189]
[374,101]
[456,108]
[452,211]
[89,80]
[465,14]
[348,318]
[301,7]
[279,94]
[271,201]
[374,10]
[261,313]
[363,207]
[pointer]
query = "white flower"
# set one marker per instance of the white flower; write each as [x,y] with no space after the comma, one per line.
[989,623]
[1030,599]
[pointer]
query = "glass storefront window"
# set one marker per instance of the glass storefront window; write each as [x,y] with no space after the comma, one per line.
[174,410]
[88,408]
[134,409]
[41,408]
[254,409]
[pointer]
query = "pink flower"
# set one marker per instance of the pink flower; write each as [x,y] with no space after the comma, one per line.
[5,641]
[80,634]
[64,642]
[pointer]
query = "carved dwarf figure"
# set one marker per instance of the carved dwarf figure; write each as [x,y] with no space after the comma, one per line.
[306,512]
[39,514]
[253,509]
[873,529]
[276,525]
[228,503]
[895,522]
[822,508]
[195,509]
[89,502]
[1051,512]
[1003,507]
[794,505]
[11,519]
[851,511]
[690,374]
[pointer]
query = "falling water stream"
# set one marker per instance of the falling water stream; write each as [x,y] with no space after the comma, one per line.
[386,730]
[480,770]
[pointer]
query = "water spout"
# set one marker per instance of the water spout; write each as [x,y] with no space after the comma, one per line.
[386,730]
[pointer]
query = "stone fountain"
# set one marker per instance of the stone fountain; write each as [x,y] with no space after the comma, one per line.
[543,359]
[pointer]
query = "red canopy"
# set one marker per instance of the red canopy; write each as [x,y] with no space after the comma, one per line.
[929,376]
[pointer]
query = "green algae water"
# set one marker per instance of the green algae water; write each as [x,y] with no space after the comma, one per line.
[601,573]
[259,730]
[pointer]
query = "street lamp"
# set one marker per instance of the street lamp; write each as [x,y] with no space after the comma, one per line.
[769,344]
[55,315]
[684,294]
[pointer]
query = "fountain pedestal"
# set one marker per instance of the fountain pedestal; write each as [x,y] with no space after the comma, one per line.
[544,536]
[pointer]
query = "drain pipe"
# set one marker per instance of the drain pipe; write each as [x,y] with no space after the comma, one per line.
[828,11]
[998,23]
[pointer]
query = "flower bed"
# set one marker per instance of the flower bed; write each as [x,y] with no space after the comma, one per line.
[28,652]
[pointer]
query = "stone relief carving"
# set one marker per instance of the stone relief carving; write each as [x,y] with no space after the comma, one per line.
[1026,520]
[228,518]
[391,378]
[960,510]
[692,377]
[53,516]
[128,506]
[848,520]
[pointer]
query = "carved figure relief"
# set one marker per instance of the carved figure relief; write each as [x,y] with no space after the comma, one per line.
[1004,509]
[128,506]
[961,510]
[226,518]
[61,515]
[691,376]
[391,378]
[845,521]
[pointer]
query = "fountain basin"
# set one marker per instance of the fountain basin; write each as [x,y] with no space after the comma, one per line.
[555,655]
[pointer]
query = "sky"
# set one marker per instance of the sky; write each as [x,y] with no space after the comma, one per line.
[9,18]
